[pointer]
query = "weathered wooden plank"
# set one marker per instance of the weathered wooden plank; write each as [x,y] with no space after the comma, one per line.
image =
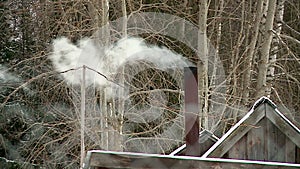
[271,147]
[206,140]
[114,160]
[205,145]
[276,141]
[239,150]
[236,132]
[256,141]
[290,151]
[283,124]
[281,144]
[298,155]
[286,135]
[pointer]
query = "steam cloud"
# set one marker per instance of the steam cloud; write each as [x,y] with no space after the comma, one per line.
[108,59]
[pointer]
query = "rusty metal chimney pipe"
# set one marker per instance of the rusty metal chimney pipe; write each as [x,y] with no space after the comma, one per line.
[191,111]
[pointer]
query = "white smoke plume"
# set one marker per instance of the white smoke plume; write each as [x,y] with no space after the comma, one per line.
[107,59]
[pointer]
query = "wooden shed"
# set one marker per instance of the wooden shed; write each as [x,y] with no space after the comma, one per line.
[263,138]
[264,133]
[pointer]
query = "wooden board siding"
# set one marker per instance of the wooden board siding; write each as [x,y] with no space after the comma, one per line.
[234,136]
[274,150]
[263,134]
[283,124]
[264,142]
[298,155]
[239,150]
[290,151]
[255,142]
[251,145]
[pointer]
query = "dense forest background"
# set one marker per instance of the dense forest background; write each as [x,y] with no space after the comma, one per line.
[257,43]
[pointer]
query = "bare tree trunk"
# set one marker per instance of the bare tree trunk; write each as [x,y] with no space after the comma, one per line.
[105,21]
[261,86]
[216,116]
[93,7]
[203,64]
[82,117]
[275,44]
[185,6]
[235,62]
[121,109]
[218,25]
[105,135]
[124,12]
[251,51]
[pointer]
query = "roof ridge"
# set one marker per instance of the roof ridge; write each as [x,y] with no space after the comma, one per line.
[262,100]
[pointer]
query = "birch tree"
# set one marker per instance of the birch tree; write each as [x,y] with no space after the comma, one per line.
[203,64]
[106,115]
[275,44]
[263,63]
[121,104]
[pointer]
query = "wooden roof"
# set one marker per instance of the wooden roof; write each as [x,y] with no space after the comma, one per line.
[206,140]
[268,129]
[127,160]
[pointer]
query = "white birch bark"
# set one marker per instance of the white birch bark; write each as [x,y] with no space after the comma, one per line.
[105,135]
[265,50]
[119,136]
[124,12]
[105,20]
[275,44]
[203,64]
[82,117]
